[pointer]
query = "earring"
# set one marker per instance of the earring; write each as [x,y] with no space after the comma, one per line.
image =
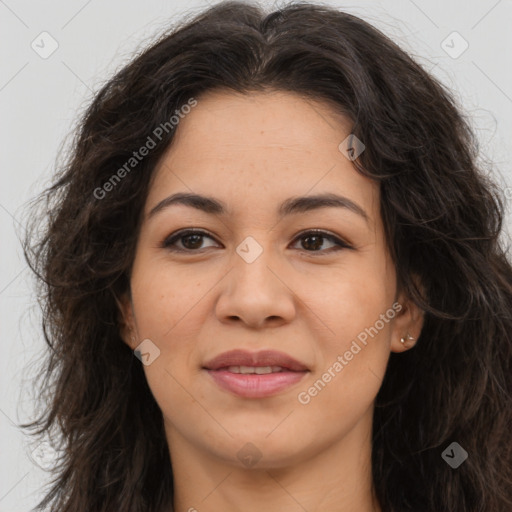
[409,338]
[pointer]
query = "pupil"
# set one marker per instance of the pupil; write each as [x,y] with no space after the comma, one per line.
[195,244]
[313,246]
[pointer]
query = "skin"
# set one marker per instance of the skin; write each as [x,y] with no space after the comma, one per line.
[252,152]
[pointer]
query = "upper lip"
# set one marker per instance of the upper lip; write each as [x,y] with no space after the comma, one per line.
[262,358]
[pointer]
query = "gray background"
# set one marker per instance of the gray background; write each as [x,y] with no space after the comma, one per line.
[41,97]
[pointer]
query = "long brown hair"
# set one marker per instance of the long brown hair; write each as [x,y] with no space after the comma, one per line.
[443,217]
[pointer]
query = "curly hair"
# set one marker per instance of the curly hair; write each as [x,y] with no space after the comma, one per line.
[443,217]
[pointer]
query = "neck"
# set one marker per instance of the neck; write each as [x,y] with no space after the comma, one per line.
[337,478]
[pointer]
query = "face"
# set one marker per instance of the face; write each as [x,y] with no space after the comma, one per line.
[310,279]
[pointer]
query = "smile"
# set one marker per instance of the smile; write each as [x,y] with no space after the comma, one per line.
[255,382]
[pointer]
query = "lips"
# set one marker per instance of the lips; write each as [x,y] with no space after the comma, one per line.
[263,358]
[255,375]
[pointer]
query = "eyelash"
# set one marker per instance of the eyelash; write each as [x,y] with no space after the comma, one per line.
[341,244]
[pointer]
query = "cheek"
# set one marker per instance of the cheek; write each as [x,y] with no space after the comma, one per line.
[167,310]
[164,305]
[354,356]
[355,298]
[163,298]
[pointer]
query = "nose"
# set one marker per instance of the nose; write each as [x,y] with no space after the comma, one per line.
[256,293]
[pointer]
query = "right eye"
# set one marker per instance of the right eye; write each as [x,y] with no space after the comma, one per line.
[190,240]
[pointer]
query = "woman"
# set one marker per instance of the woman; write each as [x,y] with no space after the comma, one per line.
[273,279]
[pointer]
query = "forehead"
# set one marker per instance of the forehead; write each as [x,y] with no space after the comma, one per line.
[263,119]
[258,148]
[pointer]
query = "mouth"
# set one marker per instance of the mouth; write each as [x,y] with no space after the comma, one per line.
[256,382]
[259,370]
[255,375]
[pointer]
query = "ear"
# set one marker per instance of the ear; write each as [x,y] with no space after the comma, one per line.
[408,321]
[126,320]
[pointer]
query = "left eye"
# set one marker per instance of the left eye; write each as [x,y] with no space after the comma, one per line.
[316,239]
[192,240]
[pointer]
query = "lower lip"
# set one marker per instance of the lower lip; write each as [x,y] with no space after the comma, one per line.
[254,385]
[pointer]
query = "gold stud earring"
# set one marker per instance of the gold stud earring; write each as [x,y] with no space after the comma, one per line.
[408,337]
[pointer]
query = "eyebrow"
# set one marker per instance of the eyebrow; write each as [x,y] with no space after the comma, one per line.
[290,206]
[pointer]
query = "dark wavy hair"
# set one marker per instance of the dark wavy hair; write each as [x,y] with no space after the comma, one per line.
[443,218]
